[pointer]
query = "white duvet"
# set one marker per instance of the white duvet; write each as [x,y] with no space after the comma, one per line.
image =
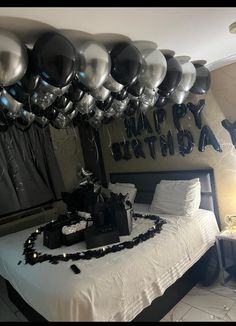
[116,287]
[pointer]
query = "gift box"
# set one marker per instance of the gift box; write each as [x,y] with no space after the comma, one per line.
[97,238]
[72,238]
[52,238]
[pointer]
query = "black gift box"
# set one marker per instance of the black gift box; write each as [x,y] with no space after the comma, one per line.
[124,220]
[72,238]
[95,238]
[52,238]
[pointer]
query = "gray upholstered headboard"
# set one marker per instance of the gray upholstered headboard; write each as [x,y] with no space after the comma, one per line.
[146,183]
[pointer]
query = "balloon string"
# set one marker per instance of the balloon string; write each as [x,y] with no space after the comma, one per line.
[96,148]
[110,141]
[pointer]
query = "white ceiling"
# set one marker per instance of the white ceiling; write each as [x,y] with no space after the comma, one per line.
[201,33]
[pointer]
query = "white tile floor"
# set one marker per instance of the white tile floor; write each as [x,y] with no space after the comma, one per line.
[214,303]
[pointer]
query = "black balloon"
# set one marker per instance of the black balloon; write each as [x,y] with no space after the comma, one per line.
[116,150]
[55,59]
[203,79]
[161,101]
[30,80]
[132,107]
[126,63]
[196,110]
[126,148]
[207,137]
[158,118]
[185,141]
[104,106]
[136,89]
[51,113]
[61,102]
[179,111]
[137,148]
[120,96]
[74,93]
[18,93]
[151,145]
[166,144]
[231,128]
[172,77]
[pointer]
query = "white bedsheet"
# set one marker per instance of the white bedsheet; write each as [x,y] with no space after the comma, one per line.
[115,287]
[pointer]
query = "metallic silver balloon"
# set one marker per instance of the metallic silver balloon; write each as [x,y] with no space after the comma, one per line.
[189,73]
[178,96]
[111,84]
[120,106]
[100,94]
[61,121]
[10,104]
[154,65]
[28,117]
[94,64]
[67,109]
[97,118]
[42,121]
[13,58]
[86,104]
[147,101]
[46,87]
[43,100]
[73,114]
[110,112]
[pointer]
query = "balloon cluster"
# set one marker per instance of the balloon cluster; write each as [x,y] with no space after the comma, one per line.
[62,83]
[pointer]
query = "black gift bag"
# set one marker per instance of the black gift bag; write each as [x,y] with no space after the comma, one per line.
[124,221]
[121,213]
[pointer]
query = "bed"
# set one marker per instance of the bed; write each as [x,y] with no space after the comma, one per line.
[141,284]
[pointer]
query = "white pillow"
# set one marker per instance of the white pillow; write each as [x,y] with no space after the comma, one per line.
[177,197]
[196,182]
[132,185]
[122,189]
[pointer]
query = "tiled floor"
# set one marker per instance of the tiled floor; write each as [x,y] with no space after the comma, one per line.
[214,303]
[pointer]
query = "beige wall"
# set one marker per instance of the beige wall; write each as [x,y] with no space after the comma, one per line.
[69,154]
[220,104]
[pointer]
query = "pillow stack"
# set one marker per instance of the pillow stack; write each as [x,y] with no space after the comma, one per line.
[124,188]
[177,197]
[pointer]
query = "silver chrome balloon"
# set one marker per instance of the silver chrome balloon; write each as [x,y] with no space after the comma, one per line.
[13,58]
[73,114]
[43,100]
[120,106]
[61,121]
[189,73]
[97,118]
[27,116]
[100,93]
[46,87]
[86,104]
[110,112]
[94,64]
[10,104]
[43,121]
[154,64]
[178,96]
[67,108]
[111,84]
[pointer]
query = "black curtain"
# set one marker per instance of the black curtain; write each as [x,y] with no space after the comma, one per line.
[29,172]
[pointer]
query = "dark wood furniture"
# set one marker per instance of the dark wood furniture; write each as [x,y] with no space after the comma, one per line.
[146,183]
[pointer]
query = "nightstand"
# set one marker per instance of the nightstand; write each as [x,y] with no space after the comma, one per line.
[226,251]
